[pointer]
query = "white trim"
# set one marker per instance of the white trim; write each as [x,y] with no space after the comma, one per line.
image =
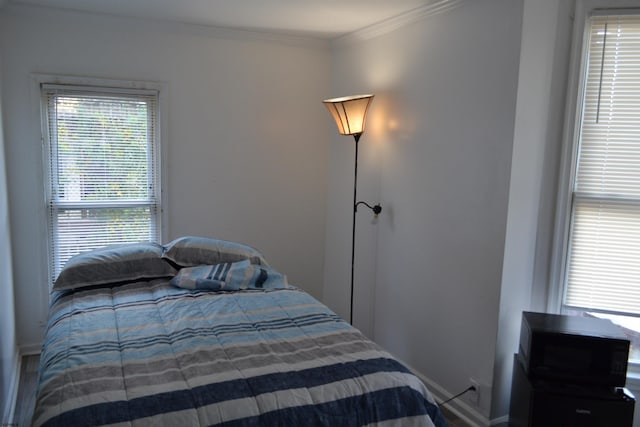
[41,294]
[92,89]
[567,163]
[616,11]
[12,398]
[30,349]
[162,157]
[98,82]
[399,21]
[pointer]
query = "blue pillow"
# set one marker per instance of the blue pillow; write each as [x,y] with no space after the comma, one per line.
[229,276]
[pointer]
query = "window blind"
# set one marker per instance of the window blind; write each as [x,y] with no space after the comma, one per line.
[603,263]
[103,174]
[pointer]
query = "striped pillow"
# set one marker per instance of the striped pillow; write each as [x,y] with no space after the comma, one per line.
[114,264]
[229,276]
[190,251]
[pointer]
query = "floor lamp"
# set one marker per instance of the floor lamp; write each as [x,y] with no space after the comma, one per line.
[350,113]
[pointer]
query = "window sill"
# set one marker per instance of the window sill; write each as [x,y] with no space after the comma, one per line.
[633,380]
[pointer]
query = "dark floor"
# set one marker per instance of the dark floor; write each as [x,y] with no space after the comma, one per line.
[27,395]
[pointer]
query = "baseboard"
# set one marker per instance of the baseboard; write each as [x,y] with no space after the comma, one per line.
[460,409]
[464,411]
[502,421]
[30,349]
[12,398]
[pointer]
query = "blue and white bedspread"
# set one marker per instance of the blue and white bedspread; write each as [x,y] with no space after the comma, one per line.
[151,354]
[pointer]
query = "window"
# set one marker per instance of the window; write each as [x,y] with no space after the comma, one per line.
[601,275]
[103,156]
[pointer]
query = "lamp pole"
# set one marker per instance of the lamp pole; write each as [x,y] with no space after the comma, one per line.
[376,210]
[353,228]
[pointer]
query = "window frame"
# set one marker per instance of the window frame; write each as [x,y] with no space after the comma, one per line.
[114,87]
[569,156]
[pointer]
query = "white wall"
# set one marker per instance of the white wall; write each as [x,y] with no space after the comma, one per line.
[8,347]
[544,61]
[246,147]
[437,155]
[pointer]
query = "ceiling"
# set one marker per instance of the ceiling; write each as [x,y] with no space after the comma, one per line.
[317,18]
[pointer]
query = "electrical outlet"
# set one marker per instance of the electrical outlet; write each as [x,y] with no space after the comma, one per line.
[473,396]
[481,398]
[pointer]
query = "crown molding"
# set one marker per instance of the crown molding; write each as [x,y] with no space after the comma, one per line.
[399,21]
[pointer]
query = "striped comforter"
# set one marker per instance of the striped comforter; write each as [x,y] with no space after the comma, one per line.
[148,353]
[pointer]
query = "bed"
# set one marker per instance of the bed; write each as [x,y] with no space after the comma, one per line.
[204,332]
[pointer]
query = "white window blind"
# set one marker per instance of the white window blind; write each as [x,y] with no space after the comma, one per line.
[603,262]
[103,169]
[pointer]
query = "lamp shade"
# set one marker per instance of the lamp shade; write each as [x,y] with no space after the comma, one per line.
[349,112]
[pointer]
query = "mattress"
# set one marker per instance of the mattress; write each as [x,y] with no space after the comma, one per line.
[149,353]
